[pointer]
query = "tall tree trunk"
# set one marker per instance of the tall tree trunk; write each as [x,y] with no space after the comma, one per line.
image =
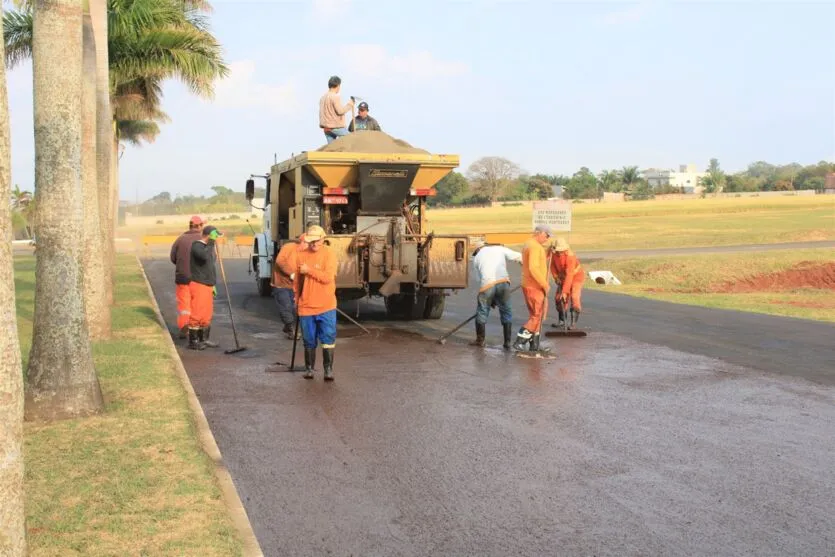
[93,257]
[104,141]
[12,524]
[61,380]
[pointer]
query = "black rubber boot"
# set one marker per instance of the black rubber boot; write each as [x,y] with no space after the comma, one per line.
[194,339]
[183,332]
[523,337]
[575,317]
[206,341]
[507,329]
[480,333]
[309,362]
[535,346]
[327,363]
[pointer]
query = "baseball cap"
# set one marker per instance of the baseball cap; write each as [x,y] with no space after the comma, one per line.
[209,229]
[196,220]
[314,233]
[543,228]
[362,106]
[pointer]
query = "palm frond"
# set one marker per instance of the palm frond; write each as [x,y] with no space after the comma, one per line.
[17,36]
[137,131]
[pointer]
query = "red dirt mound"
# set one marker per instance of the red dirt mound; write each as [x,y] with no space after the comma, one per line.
[807,274]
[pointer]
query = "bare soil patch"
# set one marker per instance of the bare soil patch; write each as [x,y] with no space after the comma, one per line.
[370,141]
[806,274]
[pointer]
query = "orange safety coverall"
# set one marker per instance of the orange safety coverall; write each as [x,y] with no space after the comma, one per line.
[567,271]
[319,292]
[285,265]
[202,305]
[535,283]
[183,305]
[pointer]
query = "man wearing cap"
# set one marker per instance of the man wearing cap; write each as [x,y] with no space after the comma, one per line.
[332,111]
[180,255]
[202,288]
[567,272]
[490,270]
[363,121]
[284,271]
[315,288]
[535,286]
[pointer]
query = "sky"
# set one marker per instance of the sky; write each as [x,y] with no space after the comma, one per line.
[550,85]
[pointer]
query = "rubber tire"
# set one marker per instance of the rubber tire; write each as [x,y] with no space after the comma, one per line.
[264,288]
[435,304]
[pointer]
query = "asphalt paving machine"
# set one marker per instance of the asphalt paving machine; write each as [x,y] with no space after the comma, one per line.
[373,207]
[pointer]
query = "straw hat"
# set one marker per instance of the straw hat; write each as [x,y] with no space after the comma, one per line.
[560,245]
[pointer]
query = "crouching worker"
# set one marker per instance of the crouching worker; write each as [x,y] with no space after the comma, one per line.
[284,271]
[490,270]
[315,288]
[202,289]
[535,287]
[567,272]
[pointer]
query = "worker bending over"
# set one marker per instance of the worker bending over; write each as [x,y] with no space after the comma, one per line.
[180,256]
[569,275]
[284,271]
[490,270]
[535,287]
[315,286]
[202,288]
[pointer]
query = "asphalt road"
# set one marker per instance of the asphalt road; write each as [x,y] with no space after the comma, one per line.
[669,430]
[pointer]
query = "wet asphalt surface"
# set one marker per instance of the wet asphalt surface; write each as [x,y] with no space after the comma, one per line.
[669,430]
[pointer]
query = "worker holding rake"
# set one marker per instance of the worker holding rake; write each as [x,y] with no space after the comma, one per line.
[202,288]
[569,274]
[535,287]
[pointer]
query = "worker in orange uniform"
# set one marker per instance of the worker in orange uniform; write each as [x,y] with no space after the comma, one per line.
[535,286]
[202,288]
[180,255]
[569,274]
[315,288]
[284,270]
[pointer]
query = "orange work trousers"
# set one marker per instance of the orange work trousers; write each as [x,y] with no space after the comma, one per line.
[575,294]
[537,308]
[183,305]
[202,304]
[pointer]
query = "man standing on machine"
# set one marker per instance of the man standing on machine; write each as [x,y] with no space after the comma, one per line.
[535,286]
[202,288]
[315,286]
[180,255]
[284,271]
[332,112]
[567,272]
[363,121]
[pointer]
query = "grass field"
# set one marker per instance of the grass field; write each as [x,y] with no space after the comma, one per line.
[651,224]
[793,283]
[133,481]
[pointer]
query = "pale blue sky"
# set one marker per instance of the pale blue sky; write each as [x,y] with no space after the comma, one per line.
[550,85]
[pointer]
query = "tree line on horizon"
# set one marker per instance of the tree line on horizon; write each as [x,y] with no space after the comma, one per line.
[98,70]
[492,179]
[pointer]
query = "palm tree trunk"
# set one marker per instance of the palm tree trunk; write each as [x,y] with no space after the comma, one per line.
[104,141]
[93,257]
[12,522]
[61,381]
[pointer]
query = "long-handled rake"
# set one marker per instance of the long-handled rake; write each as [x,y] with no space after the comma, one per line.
[238,347]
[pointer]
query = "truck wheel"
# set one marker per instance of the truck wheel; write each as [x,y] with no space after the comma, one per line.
[264,288]
[434,306]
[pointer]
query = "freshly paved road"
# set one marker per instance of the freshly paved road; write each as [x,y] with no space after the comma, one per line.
[669,430]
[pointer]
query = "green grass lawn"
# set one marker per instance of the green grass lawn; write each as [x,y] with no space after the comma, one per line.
[134,480]
[659,224]
[755,282]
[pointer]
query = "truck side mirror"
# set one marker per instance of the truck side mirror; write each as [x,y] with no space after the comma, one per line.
[250,189]
[267,194]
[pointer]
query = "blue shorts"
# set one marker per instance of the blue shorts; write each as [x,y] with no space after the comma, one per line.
[319,328]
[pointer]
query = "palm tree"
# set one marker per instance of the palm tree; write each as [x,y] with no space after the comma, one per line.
[93,256]
[12,519]
[610,180]
[630,176]
[61,381]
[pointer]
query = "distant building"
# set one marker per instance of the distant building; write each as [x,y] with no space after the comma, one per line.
[687,179]
[829,183]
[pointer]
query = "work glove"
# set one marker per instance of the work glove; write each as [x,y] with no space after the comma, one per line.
[214,291]
[214,235]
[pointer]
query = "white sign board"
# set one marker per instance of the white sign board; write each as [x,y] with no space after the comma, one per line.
[556,213]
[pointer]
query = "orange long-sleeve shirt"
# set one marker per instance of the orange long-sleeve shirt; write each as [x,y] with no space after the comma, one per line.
[534,266]
[566,269]
[285,265]
[319,292]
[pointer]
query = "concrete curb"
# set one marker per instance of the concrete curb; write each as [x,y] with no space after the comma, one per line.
[230,495]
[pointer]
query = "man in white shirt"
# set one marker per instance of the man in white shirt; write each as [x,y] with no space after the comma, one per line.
[490,270]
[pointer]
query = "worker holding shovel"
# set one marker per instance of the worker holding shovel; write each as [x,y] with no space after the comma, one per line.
[202,289]
[535,287]
[315,288]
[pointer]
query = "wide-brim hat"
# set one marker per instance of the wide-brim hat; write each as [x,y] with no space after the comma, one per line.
[561,245]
